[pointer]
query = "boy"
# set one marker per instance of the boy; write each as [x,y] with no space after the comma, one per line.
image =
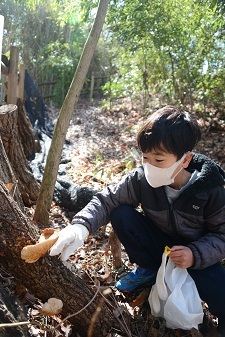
[182,196]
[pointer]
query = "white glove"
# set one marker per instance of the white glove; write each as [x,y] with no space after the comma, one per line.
[70,238]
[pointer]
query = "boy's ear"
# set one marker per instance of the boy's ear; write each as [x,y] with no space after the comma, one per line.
[187,159]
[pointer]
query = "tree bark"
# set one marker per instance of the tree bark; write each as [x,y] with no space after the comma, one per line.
[27,184]
[48,277]
[13,75]
[8,177]
[115,245]
[12,310]
[54,155]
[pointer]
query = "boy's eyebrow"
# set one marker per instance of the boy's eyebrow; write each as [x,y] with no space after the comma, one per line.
[159,153]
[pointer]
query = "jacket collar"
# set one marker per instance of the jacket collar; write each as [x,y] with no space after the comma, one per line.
[211,174]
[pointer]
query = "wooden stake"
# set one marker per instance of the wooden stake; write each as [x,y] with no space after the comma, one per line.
[21,82]
[92,86]
[13,76]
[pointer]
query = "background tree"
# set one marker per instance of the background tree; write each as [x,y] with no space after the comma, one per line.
[174,43]
[52,164]
[172,49]
[50,36]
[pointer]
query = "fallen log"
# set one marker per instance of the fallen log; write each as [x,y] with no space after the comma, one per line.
[48,277]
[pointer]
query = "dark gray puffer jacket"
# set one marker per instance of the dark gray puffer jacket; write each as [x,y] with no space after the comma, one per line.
[197,216]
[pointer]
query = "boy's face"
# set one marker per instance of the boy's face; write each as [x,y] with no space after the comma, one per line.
[159,158]
[163,159]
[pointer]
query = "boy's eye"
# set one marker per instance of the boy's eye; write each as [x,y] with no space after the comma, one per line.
[159,160]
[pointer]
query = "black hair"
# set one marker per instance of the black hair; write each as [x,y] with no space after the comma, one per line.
[170,129]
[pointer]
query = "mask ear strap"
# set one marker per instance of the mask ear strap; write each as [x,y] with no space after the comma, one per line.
[180,161]
[177,173]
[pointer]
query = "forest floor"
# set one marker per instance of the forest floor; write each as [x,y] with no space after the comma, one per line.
[102,149]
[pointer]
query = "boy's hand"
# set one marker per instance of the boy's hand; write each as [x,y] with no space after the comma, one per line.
[70,238]
[182,256]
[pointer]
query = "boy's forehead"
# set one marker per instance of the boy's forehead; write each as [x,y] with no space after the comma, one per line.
[159,152]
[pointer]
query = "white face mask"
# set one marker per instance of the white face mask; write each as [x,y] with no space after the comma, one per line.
[157,176]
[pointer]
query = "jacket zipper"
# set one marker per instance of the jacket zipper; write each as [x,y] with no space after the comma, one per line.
[172,220]
[171,216]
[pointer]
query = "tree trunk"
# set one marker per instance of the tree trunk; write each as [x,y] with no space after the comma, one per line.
[28,186]
[52,164]
[48,277]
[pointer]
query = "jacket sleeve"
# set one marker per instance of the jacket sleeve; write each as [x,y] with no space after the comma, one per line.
[97,212]
[210,248]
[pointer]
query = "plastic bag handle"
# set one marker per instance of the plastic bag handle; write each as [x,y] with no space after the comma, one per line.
[160,279]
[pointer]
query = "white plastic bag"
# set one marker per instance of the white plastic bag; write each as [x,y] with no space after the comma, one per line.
[175,297]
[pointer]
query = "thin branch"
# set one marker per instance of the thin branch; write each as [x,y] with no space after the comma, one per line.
[38,324]
[122,324]
[11,325]
[79,311]
[97,312]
